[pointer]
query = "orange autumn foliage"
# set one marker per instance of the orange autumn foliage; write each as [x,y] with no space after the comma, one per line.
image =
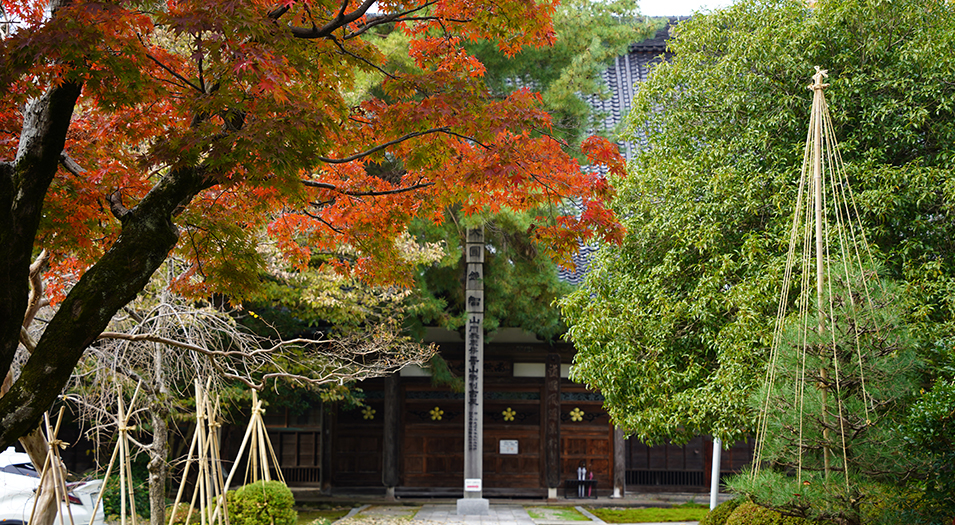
[193,126]
[262,101]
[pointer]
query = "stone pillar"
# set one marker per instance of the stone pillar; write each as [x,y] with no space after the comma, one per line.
[619,464]
[552,424]
[389,470]
[473,501]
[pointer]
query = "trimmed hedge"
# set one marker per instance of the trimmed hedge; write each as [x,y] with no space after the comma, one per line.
[262,503]
[721,513]
[753,514]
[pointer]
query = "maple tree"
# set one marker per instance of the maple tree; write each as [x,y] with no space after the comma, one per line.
[132,130]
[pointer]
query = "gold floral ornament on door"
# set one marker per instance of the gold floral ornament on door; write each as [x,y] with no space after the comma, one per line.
[577,414]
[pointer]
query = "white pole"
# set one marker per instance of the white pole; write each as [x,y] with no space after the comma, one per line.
[715,474]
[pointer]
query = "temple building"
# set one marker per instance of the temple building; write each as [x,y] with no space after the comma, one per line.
[539,428]
[410,434]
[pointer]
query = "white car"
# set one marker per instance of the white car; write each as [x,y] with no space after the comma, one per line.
[19,481]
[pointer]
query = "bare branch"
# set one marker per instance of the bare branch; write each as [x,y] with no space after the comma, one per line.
[367,62]
[327,186]
[37,298]
[116,206]
[277,13]
[71,165]
[385,145]
[26,340]
[323,221]
[341,20]
[400,17]
[168,69]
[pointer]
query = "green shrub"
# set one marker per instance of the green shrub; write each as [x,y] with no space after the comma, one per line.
[930,436]
[262,503]
[111,496]
[722,511]
[753,514]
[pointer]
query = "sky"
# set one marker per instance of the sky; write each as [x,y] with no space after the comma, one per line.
[678,7]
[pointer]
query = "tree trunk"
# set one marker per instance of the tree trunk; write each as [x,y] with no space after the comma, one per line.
[159,449]
[147,236]
[158,468]
[46,507]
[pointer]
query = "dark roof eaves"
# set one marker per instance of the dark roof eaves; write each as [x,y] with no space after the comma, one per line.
[657,44]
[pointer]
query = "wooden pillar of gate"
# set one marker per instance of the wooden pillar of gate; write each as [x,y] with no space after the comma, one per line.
[389,470]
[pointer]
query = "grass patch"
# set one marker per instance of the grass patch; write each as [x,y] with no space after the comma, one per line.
[556,513]
[684,512]
[693,505]
[326,516]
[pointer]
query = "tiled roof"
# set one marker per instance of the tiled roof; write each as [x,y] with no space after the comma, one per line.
[622,79]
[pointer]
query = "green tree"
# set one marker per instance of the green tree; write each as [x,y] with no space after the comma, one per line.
[674,325]
[930,436]
[521,281]
[834,407]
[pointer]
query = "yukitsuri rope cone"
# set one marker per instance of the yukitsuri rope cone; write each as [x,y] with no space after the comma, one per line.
[261,454]
[50,467]
[210,489]
[819,399]
[121,452]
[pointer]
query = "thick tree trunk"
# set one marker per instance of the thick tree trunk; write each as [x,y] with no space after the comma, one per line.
[46,506]
[147,237]
[23,186]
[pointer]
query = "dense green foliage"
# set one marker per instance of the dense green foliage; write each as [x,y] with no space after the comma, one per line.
[834,409]
[520,282]
[752,514]
[112,498]
[721,513]
[930,435]
[262,503]
[674,326]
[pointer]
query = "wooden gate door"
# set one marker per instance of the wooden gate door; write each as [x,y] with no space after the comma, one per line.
[513,461]
[586,438]
[433,446]
[356,447]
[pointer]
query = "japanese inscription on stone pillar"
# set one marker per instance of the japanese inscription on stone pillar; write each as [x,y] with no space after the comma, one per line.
[552,421]
[474,348]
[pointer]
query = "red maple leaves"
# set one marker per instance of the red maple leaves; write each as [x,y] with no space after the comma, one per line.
[266,101]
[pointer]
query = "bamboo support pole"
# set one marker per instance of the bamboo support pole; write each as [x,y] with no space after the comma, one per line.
[817,117]
[109,470]
[185,476]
